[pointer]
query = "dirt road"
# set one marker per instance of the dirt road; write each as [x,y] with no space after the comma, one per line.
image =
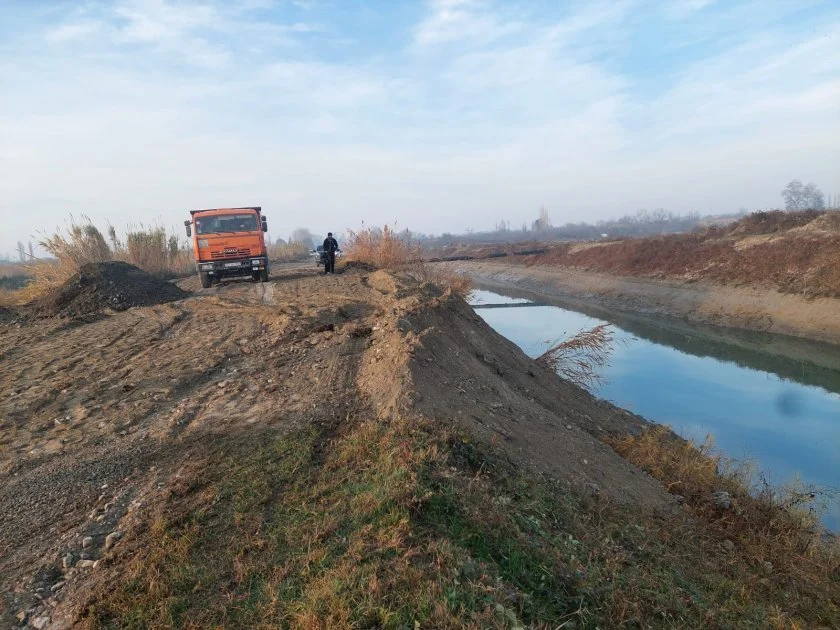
[749,308]
[103,416]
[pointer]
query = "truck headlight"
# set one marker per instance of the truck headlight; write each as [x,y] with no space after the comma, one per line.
[256,262]
[202,242]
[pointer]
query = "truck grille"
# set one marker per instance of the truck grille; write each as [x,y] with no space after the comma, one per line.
[231,252]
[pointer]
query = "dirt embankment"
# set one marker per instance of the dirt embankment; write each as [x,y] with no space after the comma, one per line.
[110,423]
[357,450]
[772,271]
[748,308]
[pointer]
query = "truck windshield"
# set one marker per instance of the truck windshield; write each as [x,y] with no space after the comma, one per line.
[226,223]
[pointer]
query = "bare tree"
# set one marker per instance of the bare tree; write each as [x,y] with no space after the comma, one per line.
[31,251]
[799,197]
[814,197]
[21,252]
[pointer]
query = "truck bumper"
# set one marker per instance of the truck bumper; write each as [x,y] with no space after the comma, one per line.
[235,267]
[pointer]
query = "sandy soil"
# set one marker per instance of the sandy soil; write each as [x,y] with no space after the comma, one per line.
[749,308]
[103,417]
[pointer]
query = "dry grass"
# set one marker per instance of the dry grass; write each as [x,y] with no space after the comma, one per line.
[397,523]
[774,531]
[386,248]
[12,270]
[153,251]
[81,242]
[78,244]
[581,358]
[383,248]
[13,278]
[288,252]
[458,283]
[802,257]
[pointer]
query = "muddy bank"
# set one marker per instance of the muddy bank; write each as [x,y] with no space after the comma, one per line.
[747,308]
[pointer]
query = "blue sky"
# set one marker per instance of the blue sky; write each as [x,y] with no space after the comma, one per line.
[438,115]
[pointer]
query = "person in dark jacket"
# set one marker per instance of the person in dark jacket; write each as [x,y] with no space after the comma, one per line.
[330,248]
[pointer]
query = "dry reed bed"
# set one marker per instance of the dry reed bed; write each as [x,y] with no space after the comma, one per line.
[386,248]
[81,242]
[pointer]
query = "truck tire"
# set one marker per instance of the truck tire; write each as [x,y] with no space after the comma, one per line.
[206,279]
[264,275]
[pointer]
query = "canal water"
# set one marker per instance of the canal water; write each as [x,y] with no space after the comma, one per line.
[772,400]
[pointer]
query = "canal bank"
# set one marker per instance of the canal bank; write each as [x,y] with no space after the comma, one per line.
[746,308]
[757,395]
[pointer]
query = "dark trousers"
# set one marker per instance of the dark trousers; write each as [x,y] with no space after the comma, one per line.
[329,262]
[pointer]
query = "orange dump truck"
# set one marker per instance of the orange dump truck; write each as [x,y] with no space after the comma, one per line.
[229,242]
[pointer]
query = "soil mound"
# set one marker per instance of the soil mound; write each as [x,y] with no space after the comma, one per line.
[114,285]
[773,221]
[829,222]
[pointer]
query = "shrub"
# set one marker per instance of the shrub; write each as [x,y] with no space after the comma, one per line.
[386,248]
[383,248]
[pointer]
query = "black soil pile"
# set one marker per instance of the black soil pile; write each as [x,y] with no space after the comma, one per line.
[110,285]
[6,315]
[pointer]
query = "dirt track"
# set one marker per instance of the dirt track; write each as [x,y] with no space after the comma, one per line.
[103,416]
[750,308]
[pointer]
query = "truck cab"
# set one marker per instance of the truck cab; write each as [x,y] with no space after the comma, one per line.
[229,242]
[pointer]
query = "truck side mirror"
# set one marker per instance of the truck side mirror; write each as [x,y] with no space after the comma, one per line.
[264,226]
[188,228]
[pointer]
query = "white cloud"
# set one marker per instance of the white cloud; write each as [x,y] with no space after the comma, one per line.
[462,21]
[142,108]
[74,30]
[765,82]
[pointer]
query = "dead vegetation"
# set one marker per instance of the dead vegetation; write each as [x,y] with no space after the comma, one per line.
[758,528]
[792,252]
[288,252]
[581,358]
[383,248]
[82,243]
[386,248]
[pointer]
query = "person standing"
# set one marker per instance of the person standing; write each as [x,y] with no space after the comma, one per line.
[330,248]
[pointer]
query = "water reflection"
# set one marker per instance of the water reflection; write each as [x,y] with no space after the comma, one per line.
[757,401]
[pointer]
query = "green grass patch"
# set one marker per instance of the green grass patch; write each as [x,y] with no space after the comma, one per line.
[403,525]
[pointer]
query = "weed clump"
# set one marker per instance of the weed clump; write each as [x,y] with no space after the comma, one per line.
[773,531]
[383,248]
[581,358]
[386,248]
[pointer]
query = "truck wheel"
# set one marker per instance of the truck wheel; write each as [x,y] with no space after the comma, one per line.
[264,275]
[206,279]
